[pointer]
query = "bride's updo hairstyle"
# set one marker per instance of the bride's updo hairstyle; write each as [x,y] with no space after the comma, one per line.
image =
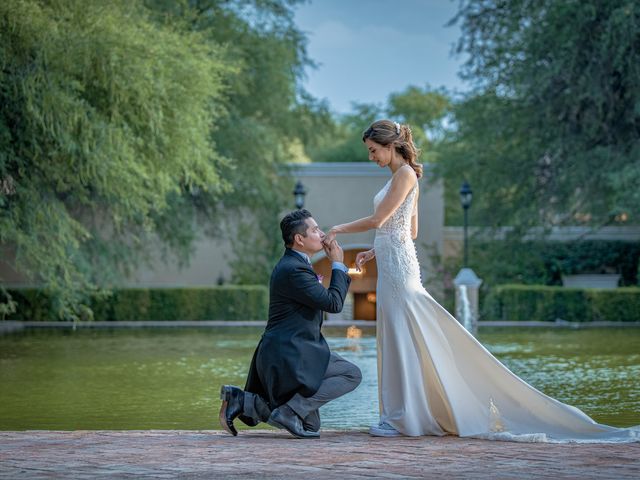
[386,132]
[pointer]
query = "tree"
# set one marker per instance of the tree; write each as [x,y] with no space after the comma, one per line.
[268,115]
[550,135]
[105,134]
[131,125]
[342,142]
[424,109]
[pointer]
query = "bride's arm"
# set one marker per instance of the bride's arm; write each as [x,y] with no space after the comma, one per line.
[401,184]
[414,218]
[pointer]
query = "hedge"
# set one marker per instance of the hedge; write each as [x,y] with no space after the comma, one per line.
[232,302]
[548,303]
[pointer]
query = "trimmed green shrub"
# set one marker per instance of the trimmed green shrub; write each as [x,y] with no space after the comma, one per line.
[536,263]
[228,302]
[548,303]
[32,304]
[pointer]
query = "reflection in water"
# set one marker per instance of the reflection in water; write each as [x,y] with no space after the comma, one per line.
[169,378]
[354,332]
[495,420]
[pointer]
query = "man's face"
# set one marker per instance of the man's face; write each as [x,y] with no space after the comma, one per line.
[312,243]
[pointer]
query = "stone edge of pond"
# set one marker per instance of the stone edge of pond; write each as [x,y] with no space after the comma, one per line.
[16,325]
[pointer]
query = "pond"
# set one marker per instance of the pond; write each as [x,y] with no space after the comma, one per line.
[169,378]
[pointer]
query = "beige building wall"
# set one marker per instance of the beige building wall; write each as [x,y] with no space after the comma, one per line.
[337,193]
[208,263]
[343,192]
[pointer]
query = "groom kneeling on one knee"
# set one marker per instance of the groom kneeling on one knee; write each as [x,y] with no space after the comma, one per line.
[293,372]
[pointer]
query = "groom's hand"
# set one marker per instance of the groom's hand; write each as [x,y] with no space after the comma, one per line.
[334,251]
[329,237]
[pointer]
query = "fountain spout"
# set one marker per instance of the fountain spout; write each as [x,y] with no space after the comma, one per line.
[467,286]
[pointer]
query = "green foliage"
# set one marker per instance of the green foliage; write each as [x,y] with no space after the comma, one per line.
[550,135]
[535,263]
[268,113]
[105,132]
[422,108]
[128,127]
[233,302]
[595,257]
[7,304]
[544,303]
[343,142]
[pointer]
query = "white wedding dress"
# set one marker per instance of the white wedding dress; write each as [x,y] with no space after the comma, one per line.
[435,378]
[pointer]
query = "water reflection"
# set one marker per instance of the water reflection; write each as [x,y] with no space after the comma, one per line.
[169,378]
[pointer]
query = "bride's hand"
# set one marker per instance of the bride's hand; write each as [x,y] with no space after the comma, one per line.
[362,258]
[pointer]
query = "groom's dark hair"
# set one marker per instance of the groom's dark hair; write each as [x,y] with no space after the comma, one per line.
[294,223]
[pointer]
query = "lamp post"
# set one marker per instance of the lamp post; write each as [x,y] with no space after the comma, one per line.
[467,282]
[466,195]
[299,192]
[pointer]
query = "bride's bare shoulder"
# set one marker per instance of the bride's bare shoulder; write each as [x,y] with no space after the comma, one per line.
[405,176]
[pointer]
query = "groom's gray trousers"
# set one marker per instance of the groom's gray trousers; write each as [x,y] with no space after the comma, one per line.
[340,378]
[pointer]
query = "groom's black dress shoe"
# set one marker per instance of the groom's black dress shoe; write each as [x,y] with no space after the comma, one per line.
[311,423]
[232,406]
[285,417]
[309,427]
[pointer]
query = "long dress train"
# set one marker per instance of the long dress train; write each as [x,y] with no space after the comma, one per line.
[435,378]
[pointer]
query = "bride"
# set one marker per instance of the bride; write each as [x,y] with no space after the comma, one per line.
[434,378]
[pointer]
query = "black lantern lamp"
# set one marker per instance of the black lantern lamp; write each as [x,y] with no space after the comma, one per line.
[299,192]
[466,195]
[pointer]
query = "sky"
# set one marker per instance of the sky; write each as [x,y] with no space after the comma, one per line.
[367,49]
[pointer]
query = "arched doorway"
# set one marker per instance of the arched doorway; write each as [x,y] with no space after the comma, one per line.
[361,304]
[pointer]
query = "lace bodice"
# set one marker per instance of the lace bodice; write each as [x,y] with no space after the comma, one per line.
[399,223]
[396,255]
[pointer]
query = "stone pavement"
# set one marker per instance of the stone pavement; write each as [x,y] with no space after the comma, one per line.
[267,454]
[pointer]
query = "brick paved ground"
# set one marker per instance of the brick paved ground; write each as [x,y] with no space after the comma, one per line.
[272,454]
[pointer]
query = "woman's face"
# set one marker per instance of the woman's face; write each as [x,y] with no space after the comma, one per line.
[378,153]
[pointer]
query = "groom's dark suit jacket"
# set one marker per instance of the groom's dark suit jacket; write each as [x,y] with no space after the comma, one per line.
[292,356]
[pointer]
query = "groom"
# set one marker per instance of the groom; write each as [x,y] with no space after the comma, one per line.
[293,372]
